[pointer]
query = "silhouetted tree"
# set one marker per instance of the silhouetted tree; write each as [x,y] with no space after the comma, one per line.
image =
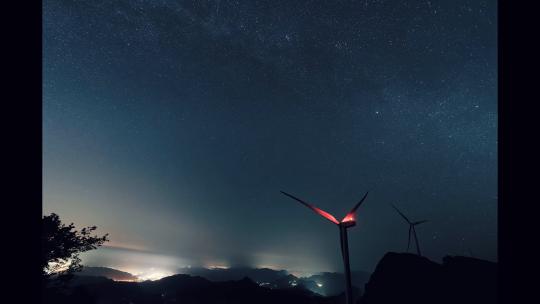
[61,246]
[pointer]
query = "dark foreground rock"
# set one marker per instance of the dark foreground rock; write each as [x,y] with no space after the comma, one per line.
[407,278]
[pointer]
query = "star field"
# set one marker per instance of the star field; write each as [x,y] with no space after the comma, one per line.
[173,125]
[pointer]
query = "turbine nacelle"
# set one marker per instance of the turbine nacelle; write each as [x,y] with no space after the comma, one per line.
[349,220]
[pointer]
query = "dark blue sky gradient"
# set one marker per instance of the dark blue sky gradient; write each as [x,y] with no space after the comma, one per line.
[173,125]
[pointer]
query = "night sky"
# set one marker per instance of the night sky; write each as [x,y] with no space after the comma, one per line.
[173,125]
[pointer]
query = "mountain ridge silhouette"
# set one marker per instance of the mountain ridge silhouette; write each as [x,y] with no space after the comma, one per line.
[398,277]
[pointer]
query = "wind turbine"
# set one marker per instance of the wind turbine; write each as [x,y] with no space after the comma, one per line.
[412,229]
[348,221]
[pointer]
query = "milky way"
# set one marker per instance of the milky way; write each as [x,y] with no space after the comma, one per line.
[173,125]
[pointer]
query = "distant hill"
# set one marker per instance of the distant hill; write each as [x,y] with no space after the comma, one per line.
[184,289]
[106,272]
[408,278]
[325,283]
[232,274]
[333,283]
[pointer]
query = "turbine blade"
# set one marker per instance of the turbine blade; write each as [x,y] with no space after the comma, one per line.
[420,222]
[402,215]
[350,216]
[321,212]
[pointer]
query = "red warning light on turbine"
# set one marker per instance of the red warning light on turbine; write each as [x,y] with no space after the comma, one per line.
[349,218]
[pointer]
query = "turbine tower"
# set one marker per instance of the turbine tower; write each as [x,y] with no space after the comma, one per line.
[412,229]
[347,222]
